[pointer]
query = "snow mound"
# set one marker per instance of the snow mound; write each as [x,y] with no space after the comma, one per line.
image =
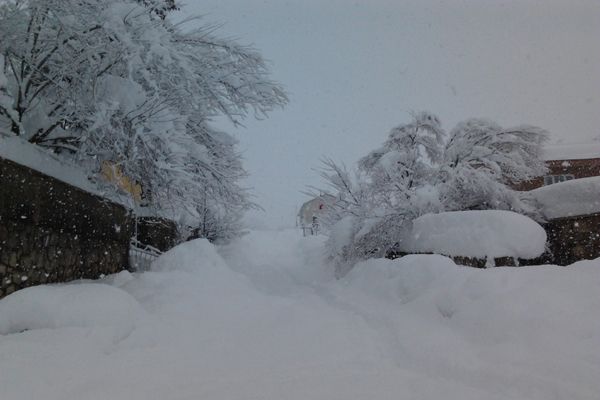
[74,305]
[570,198]
[543,307]
[192,256]
[402,279]
[480,234]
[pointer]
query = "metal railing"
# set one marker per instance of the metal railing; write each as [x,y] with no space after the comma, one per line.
[141,255]
[310,230]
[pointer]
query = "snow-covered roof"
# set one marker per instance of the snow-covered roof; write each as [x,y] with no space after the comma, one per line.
[312,205]
[481,234]
[569,198]
[573,151]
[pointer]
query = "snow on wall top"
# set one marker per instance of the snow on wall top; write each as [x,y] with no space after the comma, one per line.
[570,198]
[15,149]
[480,234]
[580,151]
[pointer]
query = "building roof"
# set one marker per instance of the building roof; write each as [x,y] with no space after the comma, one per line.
[311,207]
[572,151]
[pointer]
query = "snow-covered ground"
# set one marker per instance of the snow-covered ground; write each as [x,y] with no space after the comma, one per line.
[264,319]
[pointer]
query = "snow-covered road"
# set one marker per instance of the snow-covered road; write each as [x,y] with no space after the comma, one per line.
[263,318]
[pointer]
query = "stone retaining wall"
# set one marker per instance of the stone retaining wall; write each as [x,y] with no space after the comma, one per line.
[569,240]
[573,238]
[51,231]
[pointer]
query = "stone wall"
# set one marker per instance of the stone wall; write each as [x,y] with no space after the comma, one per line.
[574,238]
[569,240]
[51,231]
[159,233]
[473,261]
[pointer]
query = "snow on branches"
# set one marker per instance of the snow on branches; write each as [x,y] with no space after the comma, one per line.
[420,169]
[481,162]
[116,81]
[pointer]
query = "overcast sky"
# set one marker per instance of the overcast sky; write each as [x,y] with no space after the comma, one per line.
[355,69]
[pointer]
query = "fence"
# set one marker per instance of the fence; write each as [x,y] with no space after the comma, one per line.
[141,255]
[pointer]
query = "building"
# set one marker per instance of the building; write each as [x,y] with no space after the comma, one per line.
[567,162]
[310,213]
[571,209]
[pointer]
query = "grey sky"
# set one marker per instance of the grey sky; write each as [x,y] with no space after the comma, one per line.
[355,69]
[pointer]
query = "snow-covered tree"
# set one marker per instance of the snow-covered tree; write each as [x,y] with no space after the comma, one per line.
[405,164]
[116,81]
[418,171]
[482,163]
[50,56]
[160,7]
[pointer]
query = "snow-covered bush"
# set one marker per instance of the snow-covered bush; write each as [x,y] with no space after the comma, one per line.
[481,162]
[116,81]
[421,170]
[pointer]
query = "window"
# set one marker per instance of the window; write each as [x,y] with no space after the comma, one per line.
[550,179]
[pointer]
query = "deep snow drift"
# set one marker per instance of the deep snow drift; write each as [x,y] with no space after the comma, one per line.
[264,319]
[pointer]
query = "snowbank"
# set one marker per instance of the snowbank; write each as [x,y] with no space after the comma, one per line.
[192,256]
[479,234]
[24,153]
[263,318]
[72,305]
[16,149]
[401,280]
[570,198]
[538,315]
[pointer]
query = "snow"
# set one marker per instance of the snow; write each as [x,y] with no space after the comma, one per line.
[186,256]
[55,307]
[573,151]
[341,232]
[20,151]
[481,234]
[263,318]
[3,79]
[570,198]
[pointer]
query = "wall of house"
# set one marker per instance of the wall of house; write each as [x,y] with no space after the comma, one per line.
[577,168]
[51,231]
[314,208]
